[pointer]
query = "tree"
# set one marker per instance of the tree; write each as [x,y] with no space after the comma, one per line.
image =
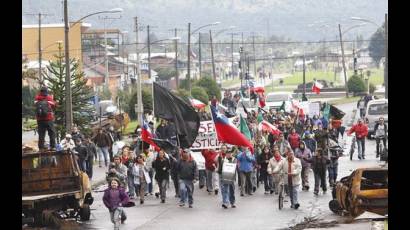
[184,94]
[200,94]
[376,46]
[356,85]
[210,86]
[146,102]
[165,73]
[81,94]
[105,93]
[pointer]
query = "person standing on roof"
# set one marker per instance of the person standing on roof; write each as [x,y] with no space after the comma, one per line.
[45,105]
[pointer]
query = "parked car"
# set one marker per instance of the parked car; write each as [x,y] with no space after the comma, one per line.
[366,189]
[274,100]
[309,85]
[374,110]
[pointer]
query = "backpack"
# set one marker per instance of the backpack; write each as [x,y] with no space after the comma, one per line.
[42,108]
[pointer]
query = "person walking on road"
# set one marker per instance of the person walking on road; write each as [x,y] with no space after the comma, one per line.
[212,184]
[227,184]
[361,132]
[361,105]
[292,167]
[114,199]
[294,139]
[263,161]
[303,154]
[75,134]
[149,157]
[82,153]
[162,167]
[141,177]
[381,135]
[273,163]
[246,161]
[103,142]
[187,171]
[92,154]
[128,159]
[119,170]
[319,165]
[282,144]
[45,105]
[67,143]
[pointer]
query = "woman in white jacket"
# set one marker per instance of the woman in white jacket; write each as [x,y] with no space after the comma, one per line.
[141,177]
[273,163]
[292,167]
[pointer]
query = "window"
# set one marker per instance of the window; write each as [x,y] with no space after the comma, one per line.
[378,109]
[374,180]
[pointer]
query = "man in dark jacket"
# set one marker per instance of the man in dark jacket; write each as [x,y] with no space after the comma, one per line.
[45,105]
[76,134]
[187,171]
[162,167]
[319,165]
[82,153]
[92,154]
[161,130]
[321,136]
[103,142]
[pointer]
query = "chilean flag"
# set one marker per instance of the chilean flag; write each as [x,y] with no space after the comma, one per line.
[147,135]
[266,126]
[227,132]
[317,87]
[197,103]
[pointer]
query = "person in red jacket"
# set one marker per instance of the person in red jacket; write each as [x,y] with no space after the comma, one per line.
[361,132]
[294,139]
[45,105]
[210,166]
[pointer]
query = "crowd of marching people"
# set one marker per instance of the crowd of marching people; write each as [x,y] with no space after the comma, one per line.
[284,148]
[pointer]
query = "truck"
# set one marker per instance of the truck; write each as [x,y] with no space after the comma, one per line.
[52,182]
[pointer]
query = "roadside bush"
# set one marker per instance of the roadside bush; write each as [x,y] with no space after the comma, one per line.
[200,94]
[356,85]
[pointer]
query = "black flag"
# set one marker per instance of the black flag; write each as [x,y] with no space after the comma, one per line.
[165,145]
[172,108]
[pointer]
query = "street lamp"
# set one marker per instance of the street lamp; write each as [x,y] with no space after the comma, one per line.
[68,105]
[139,84]
[189,50]
[385,48]
[343,54]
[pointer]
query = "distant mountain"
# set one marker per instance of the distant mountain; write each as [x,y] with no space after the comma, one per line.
[288,18]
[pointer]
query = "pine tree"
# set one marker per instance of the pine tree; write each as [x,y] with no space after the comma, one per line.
[81,94]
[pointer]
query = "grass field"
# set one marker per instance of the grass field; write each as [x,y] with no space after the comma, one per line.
[297,78]
[130,127]
[376,76]
[229,83]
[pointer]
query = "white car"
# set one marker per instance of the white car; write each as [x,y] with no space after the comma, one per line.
[374,110]
[274,100]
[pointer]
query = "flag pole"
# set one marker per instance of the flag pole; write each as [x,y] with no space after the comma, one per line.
[153,106]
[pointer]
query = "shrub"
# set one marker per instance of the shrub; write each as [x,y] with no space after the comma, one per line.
[200,94]
[356,85]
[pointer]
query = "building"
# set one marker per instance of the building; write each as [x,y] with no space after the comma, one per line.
[52,35]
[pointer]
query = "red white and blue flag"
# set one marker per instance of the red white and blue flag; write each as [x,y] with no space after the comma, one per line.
[147,135]
[227,132]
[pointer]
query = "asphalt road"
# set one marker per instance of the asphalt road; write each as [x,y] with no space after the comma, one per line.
[259,211]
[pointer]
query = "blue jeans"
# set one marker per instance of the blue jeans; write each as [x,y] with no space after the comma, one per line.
[228,193]
[103,153]
[131,185]
[202,177]
[294,195]
[332,173]
[82,164]
[361,146]
[116,216]
[186,189]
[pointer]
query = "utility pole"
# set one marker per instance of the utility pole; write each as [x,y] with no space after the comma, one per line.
[40,56]
[149,53]
[304,79]
[343,61]
[212,55]
[68,105]
[176,60]
[139,90]
[354,61]
[189,59]
[107,72]
[40,51]
[386,34]
[200,58]
[232,57]
[254,56]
